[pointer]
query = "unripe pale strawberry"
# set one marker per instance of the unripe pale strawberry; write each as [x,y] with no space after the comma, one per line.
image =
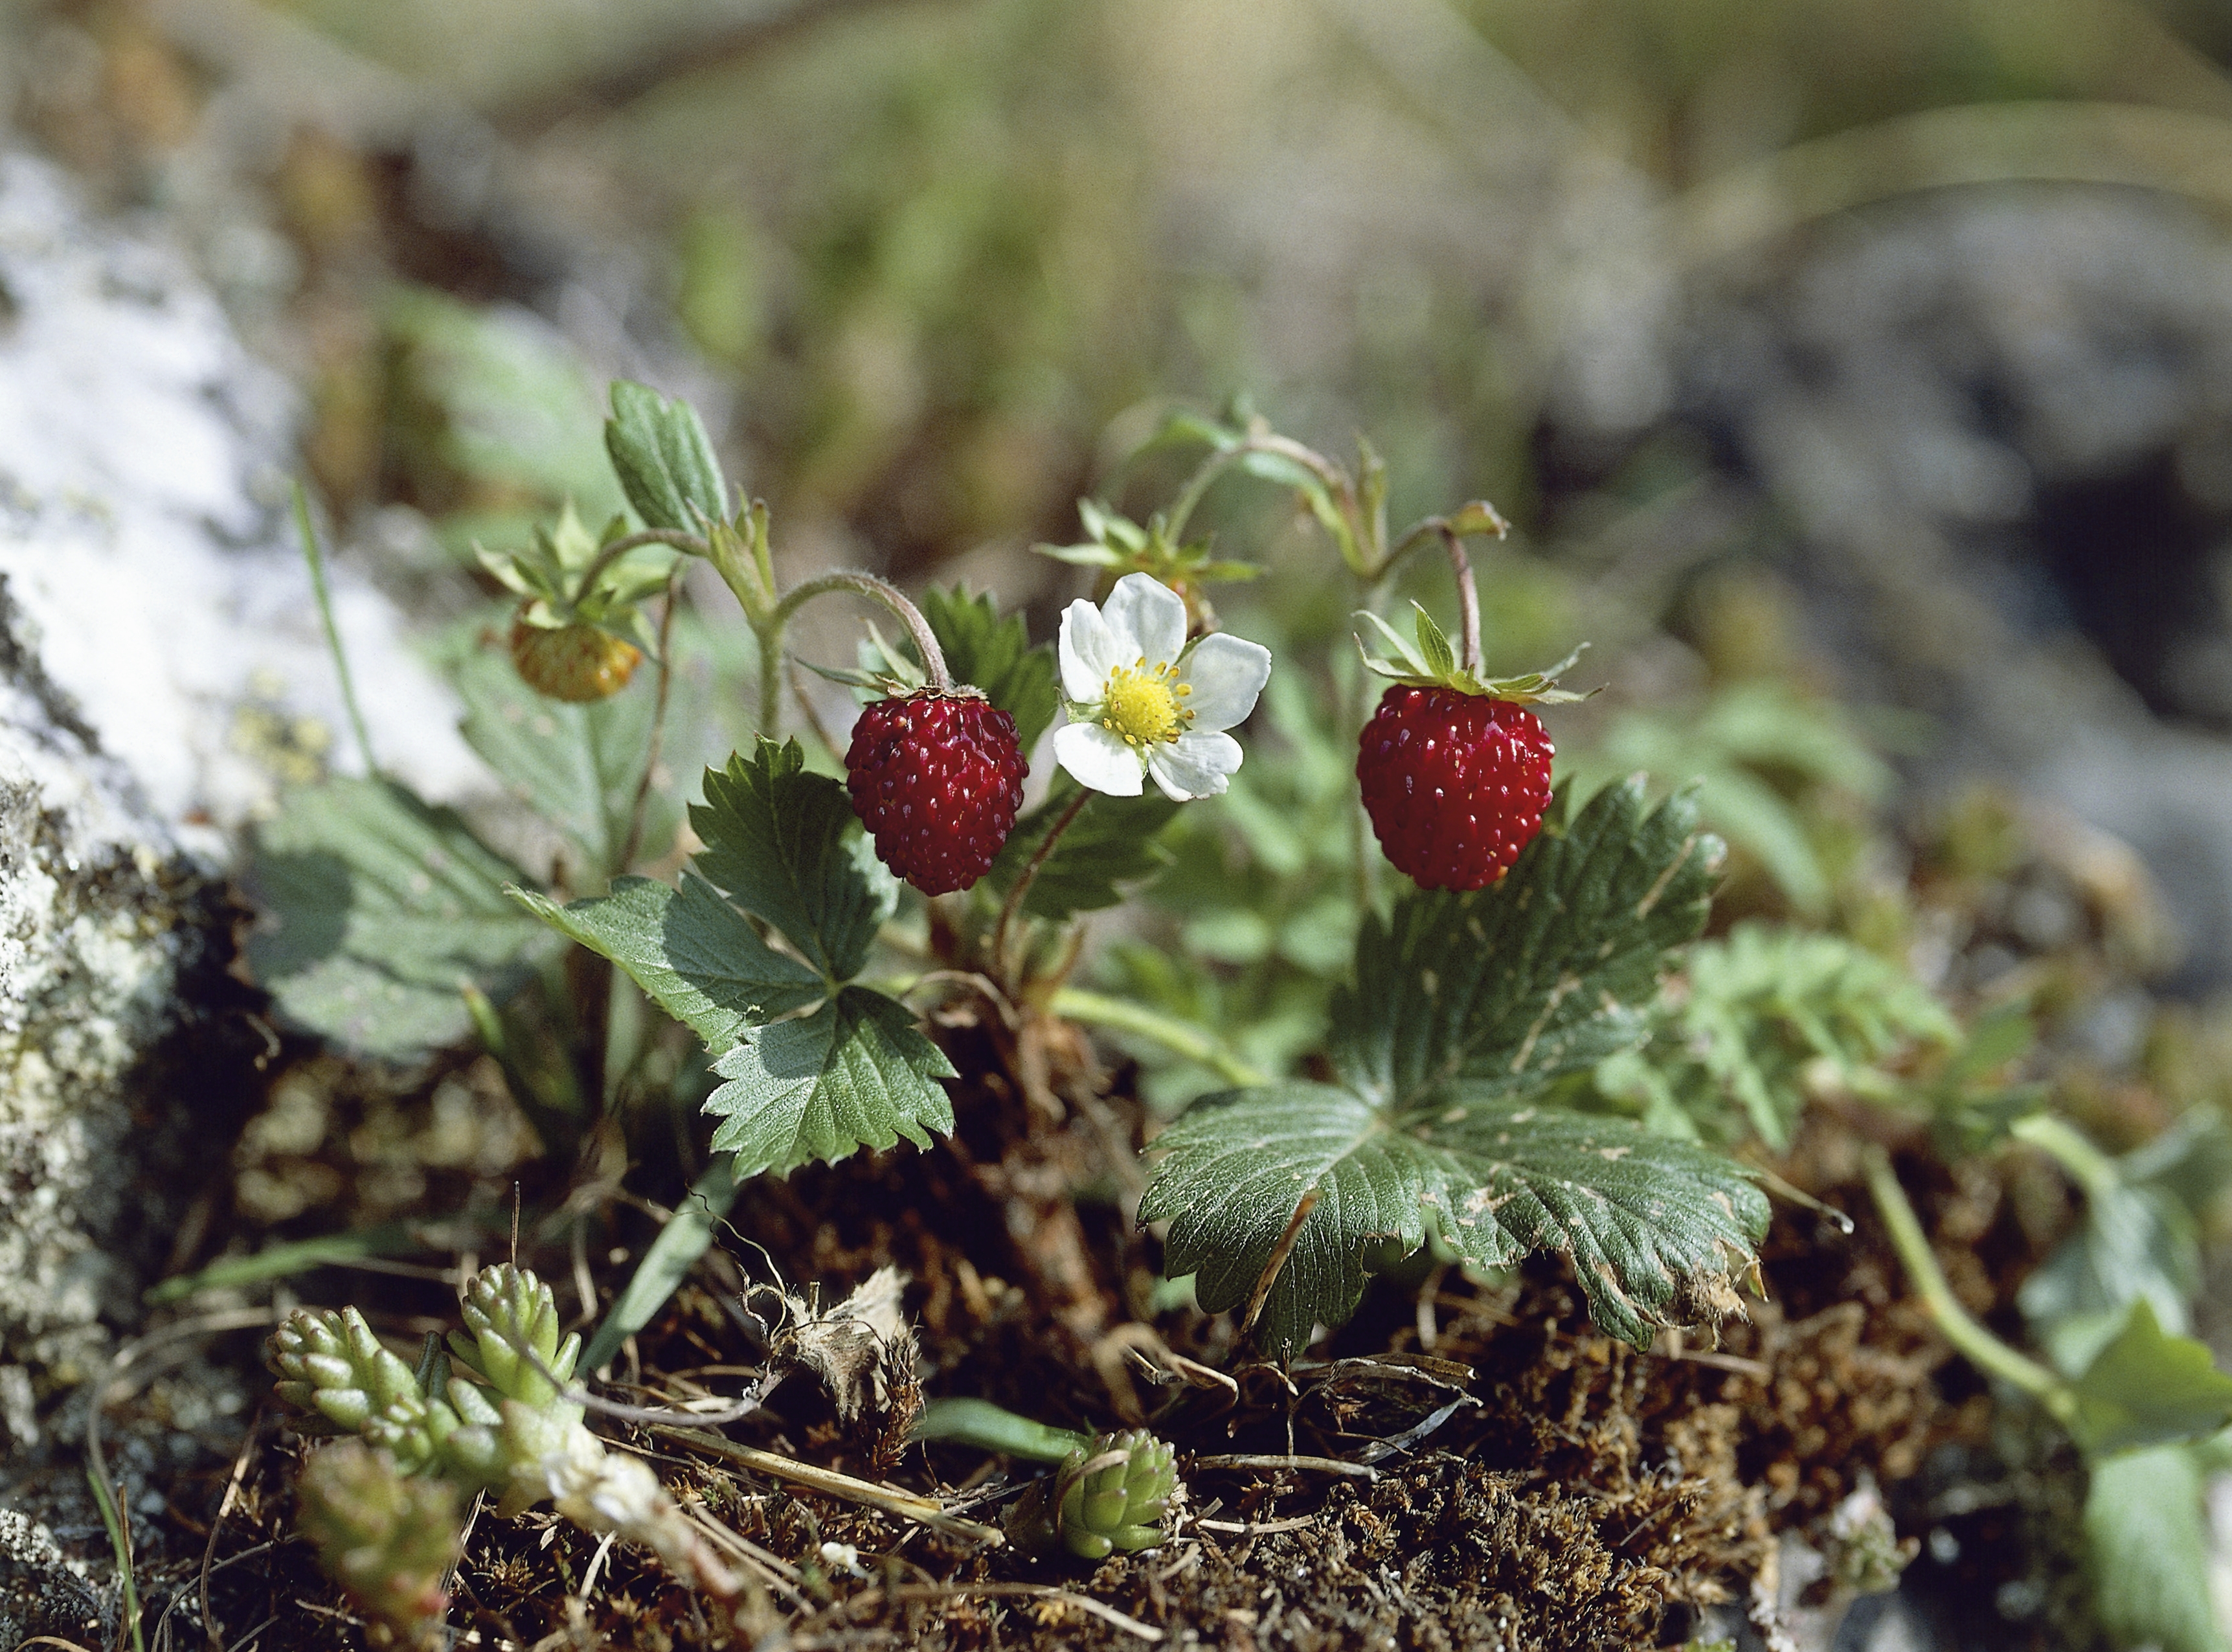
[580,663]
[937,779]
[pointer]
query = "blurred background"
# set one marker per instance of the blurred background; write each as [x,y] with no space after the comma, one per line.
[1876,360]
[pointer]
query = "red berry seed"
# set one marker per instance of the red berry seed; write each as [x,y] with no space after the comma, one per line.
[937,779]
[1454,784]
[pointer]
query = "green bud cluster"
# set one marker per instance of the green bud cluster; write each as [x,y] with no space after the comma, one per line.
[388,1537]
[1116,1498]
[501,1424]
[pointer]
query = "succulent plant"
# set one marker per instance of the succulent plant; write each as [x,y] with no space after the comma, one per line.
[386,1536]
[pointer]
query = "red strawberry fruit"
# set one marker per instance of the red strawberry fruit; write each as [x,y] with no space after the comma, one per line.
[937,779]
[1454,784]
[1454,768]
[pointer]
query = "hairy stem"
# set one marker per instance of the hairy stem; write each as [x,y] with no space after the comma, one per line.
[1468,595]
[687,542]
[1014,903]
[880,591]
[1982,1349]
[1331,476]
[1180,1037]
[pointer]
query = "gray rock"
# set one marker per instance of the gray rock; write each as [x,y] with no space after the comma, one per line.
[162,672]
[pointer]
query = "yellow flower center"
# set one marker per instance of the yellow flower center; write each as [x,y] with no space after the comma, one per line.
[1143,703]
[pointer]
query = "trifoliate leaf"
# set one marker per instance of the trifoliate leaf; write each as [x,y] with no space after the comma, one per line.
[577,766]
[378,908]
[1548,971]
[996,655]
[855,1073]
[663,459]
[1295,1191]
[2147,1388]
[785,845]
[1113,841]
[697,957]
[2147,1533]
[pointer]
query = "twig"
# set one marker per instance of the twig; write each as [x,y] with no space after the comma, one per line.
[1101,1610]
[830,1481]
[1311,1465]
[224,1508]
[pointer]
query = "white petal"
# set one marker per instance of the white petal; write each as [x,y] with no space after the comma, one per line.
[1087,653]
[1227,674]
[1098,759]
[1194,765]
[1150,616]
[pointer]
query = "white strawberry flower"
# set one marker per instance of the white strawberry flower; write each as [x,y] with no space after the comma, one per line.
[1142,701]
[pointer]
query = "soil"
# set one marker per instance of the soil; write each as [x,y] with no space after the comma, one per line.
[1466,1464]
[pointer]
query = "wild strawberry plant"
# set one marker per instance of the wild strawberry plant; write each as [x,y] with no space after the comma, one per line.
[1518,1046]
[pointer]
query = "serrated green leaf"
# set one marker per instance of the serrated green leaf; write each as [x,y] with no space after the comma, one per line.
[696,956]
[1113,841]
[663,459]
[378,908]
[1550,970]
[996,655]
[855,1073]
[785,845]
[576,766]
[2147,1533]
[2149,1388]
[1656,1229]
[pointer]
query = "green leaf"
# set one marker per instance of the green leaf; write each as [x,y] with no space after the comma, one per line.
[379,907]
[2146,1529]
[855,1073]
[996,655]
[2147,1388]
[1770,1000]
[696,956]
[784,845]
[1113,841]
[576,766]
[663,459]
[1434,645]
[1657,1231]
[667,1263]
[1550,970]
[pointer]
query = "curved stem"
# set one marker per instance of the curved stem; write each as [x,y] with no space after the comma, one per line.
[1330,475]
[1014,900]
[690,544]
[1467,594]
[1180,1037]
[991,1427]
[880,591]
[1982,1349]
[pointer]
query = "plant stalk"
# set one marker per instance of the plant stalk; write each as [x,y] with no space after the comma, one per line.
[1982,1349]
[315,556]
[1180,1037]
[1467,592]
[1014,903]
[880,591]
[991,1427]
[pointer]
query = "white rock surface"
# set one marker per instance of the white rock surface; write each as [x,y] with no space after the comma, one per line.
[156,624]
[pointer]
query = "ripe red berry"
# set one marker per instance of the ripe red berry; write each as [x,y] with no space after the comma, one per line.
[937,779]
[1454,784]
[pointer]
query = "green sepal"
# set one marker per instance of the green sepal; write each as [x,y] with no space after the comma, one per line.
[1431,662]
